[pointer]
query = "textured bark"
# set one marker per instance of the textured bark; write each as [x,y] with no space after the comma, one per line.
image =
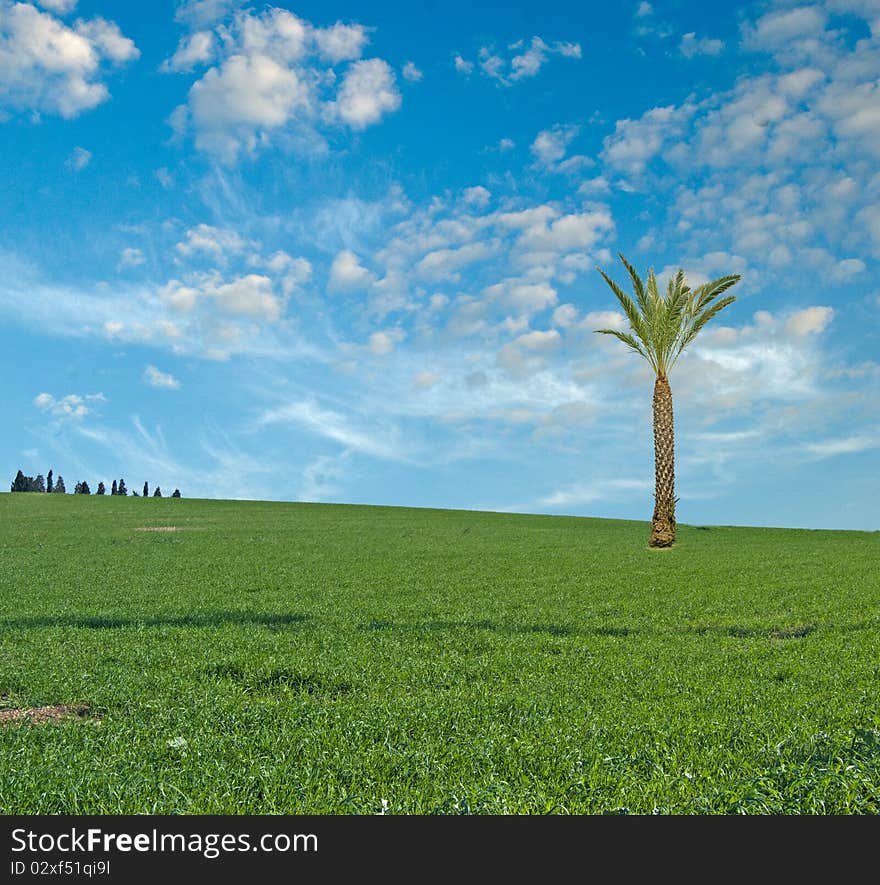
[663,522]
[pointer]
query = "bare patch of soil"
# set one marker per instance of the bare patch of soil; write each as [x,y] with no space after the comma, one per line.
[44,715]
[158,528]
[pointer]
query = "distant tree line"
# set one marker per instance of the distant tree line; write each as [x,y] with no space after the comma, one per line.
[50,485]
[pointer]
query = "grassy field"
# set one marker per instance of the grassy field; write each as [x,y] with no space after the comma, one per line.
[294,658]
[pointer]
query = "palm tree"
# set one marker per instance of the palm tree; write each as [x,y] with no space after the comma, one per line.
[661,327]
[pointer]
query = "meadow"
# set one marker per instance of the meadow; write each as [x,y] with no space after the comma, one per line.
[272,658]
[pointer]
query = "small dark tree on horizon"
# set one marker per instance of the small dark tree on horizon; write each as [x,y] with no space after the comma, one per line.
[24,483]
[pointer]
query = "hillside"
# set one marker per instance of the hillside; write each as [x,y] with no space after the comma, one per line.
[304,658]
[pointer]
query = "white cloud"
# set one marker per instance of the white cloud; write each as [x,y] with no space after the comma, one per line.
[518,61]
[648,25]
[277,81]
[587,493]
[565,316]
[131,257]
[72,406]
[341,42]
[549,146]
[476,196]
[446,263]
[201,13]
[635,142]
[382,343]
[293,272]
[539,341]
[569,232]
[347,274]
[527,353]
[177,296]
[250,296]
[156,378]
[61,7]
[810,321]
[780,28]
[368,92]
[767,169]
[691,45]
[78,159]
[604,319]
[597,185]
[236,106]
[522,297]
[193,50]
[376,442]
[50,67]
[468,256]
[851,445]
[462,66]
[426,380]
[411,73]
[213,241]
[849,267]
[107,37]
[532,59]
[203,313]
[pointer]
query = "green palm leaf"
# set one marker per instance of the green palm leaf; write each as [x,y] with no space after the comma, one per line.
[663,325]
[628,340]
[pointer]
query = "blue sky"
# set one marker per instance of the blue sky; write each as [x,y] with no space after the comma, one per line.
[347,252]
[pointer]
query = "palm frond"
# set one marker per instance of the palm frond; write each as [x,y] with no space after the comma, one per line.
[635,319]
[663,325]
[708,292]
[677,301]
[638,285]
[627,339]
[711,311]
[699,321]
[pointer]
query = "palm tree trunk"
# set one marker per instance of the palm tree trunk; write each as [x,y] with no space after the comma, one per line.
[663,522]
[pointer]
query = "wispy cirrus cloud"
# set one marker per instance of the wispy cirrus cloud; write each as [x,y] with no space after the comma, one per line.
[516,62]
[163,380]
[379,442]
[72,405]
[587,493]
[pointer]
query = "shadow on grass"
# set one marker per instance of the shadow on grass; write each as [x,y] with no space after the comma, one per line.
[195,619]
[495,627]
[797,631]
[279,680]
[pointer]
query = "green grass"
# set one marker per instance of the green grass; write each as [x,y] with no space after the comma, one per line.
[294,658]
